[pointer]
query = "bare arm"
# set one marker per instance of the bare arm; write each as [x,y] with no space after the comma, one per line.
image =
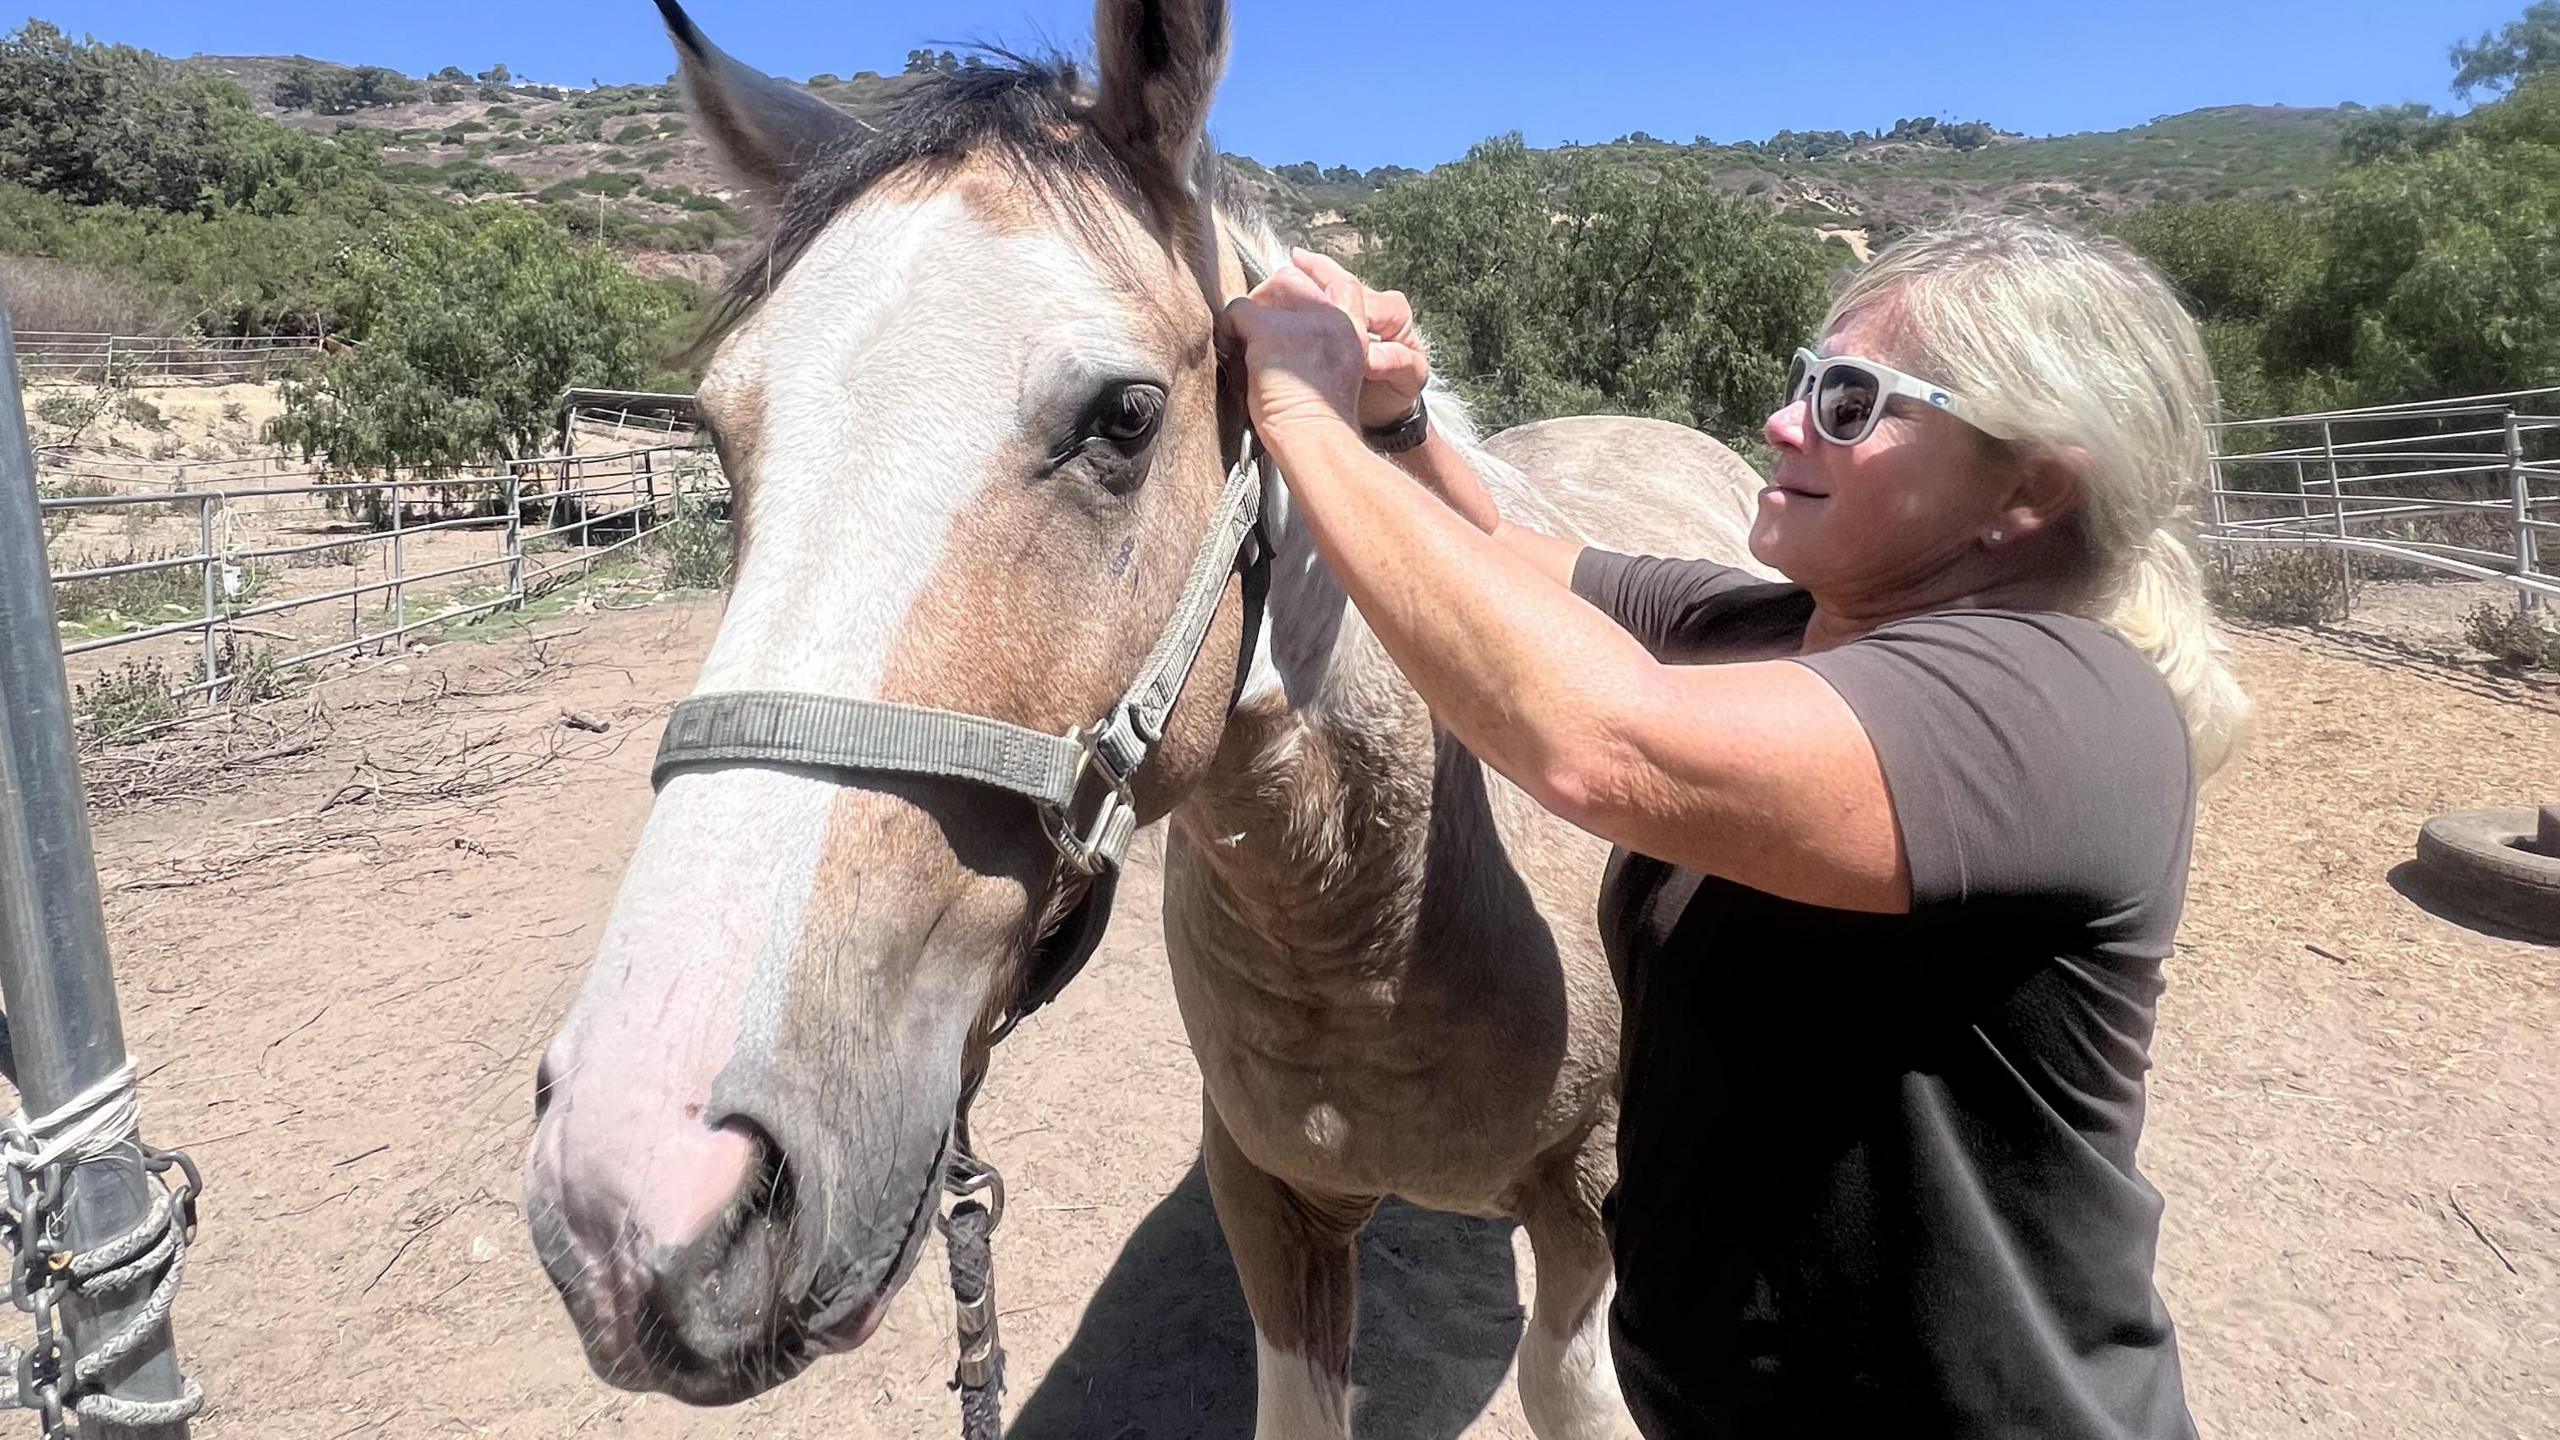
[1443,470]
[1759,773]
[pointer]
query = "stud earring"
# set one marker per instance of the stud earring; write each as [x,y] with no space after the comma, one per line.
[1995,537]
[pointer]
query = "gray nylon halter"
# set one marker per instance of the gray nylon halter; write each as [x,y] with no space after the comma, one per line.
[1080,780]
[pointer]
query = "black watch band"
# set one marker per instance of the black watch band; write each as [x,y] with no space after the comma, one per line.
[1406,434]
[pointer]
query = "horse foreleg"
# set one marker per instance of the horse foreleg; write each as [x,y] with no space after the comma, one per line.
[1297,1257]
[1568,1386]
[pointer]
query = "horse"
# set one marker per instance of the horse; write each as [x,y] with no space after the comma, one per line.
[973,407]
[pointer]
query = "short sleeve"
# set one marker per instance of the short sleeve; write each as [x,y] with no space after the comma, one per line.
[2036,762]
[1691,610]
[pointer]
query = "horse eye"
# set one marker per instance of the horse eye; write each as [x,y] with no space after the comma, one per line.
[1127,416]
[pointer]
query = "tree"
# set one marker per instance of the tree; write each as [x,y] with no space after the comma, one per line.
[498,75]
[2506,58]
[2393,130]
[375,85]
[2442,272]
[472,324]
[451,75]
[2429,267]
[1569,283]
[103,124]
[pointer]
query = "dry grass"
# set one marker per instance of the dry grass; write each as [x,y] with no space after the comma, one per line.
[53,295]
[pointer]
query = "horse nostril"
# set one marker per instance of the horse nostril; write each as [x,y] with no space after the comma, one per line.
[542,1089]
[769,1192]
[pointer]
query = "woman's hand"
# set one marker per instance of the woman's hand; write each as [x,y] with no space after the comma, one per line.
[1308,354]
[1398,364]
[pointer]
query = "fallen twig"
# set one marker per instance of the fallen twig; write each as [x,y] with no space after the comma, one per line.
[2466,1219]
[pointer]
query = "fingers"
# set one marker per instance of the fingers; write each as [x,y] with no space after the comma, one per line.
[1401,367]
[1391,315]
[1291,289]
[1383,313]
[1326,270]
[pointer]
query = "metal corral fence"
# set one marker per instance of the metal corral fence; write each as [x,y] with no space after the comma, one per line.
[2466,487]
[66,356]
[539,523]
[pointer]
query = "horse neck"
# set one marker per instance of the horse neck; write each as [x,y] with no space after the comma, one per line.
[1313,818]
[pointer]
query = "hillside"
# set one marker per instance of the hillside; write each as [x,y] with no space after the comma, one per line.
[627,154]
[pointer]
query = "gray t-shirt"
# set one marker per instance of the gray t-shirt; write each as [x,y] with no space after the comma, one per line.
[1876,1173]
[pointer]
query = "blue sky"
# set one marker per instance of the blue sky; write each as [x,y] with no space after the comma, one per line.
[1416,82]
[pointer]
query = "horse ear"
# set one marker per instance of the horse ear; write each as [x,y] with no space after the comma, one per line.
[1160,62]
[762,131]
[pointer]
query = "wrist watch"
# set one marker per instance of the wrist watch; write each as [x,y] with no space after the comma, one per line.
[1405,434]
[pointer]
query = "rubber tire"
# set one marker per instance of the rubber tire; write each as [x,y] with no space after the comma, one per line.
[2475,858]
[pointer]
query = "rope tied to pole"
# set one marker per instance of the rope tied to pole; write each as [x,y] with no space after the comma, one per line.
[39,1155]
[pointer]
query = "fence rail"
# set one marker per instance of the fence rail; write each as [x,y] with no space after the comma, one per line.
[549,519]
[65,356]
[2464,487]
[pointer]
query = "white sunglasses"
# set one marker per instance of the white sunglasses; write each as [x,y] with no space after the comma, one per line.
[1849,394]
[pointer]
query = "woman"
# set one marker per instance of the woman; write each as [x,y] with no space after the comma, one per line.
[1896,879]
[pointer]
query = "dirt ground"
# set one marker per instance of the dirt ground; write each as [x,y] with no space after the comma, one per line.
[341,952]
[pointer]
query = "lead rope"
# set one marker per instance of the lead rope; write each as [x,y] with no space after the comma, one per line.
[977,1192]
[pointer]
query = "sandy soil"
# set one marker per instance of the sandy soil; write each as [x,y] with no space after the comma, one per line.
[341,950]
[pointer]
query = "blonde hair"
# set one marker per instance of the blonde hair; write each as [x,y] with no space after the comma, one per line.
[2060,342]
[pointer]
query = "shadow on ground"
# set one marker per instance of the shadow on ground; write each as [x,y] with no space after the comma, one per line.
[2419,889]
[1165,1351]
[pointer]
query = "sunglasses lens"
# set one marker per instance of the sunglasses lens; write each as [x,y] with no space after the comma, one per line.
[1846,407]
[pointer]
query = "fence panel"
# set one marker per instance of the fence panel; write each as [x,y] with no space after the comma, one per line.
[415,553]
[63,357]
[2462,487]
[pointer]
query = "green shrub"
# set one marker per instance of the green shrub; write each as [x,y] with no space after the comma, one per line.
[135,410]
[474,322]
[250,672]
[2517,637]
[636,135]
[612,184]
[145,596]
[2277,586]
[697,550]
[134,696]
[70,410]
[1560,283]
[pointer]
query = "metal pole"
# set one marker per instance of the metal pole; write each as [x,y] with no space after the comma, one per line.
[2338,506]
[54,974]
[204,547]
[2518,484]
[515,534]
[399,570]
[2215,484]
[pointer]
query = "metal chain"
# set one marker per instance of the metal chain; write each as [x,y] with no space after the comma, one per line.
[43,1272]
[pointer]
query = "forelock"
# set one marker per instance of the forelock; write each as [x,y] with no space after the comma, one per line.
[1025,116]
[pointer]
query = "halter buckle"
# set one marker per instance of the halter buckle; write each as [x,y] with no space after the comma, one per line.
[1082,843]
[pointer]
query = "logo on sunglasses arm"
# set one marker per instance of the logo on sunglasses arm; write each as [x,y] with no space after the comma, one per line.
[1941,399]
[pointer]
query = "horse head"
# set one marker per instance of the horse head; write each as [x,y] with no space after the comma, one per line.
[970,403]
